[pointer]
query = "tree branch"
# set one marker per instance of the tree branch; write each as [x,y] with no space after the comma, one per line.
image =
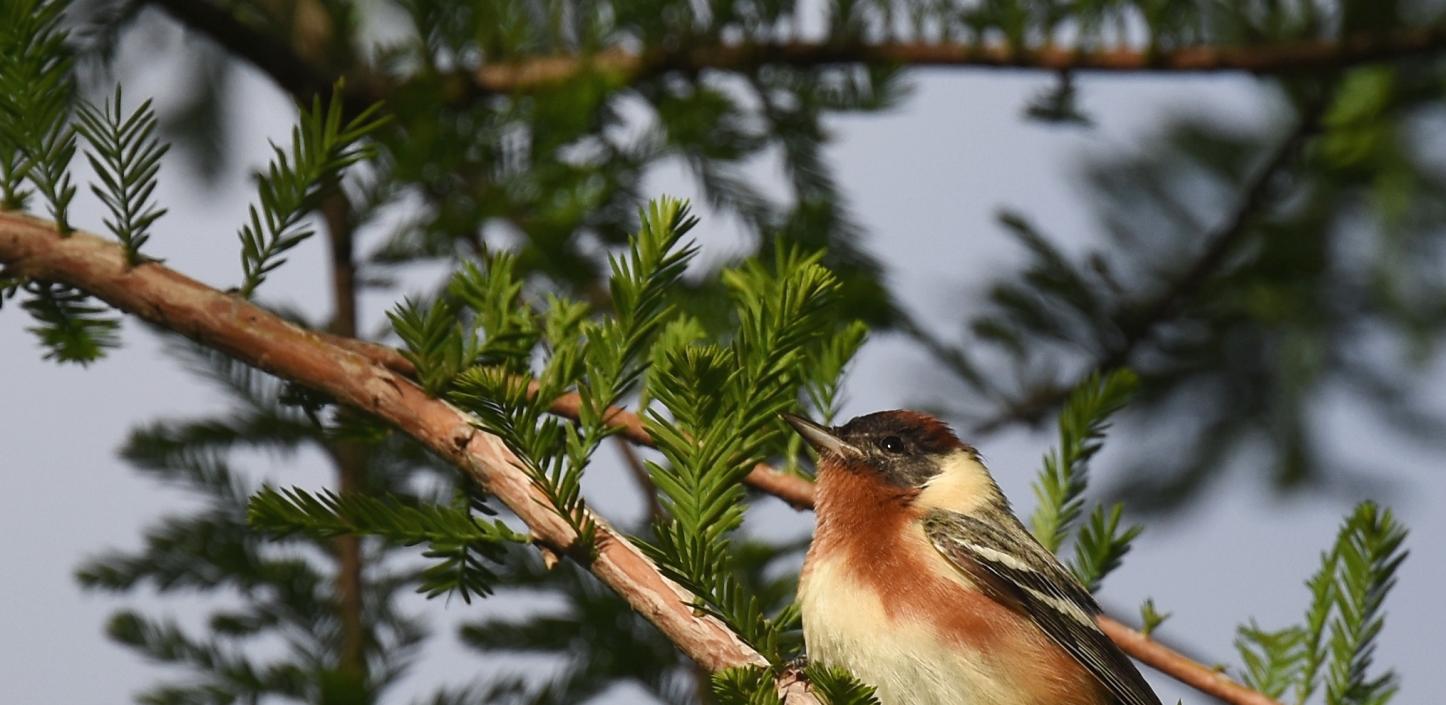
[286,65]
[1180,667]
[373,378]
[30,247]
[1301,56]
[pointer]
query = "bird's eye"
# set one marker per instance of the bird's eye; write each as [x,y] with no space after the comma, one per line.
[892,444]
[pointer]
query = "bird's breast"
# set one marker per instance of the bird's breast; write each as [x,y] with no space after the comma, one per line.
[905,621]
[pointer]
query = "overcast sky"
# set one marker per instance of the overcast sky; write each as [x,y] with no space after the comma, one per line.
[926,180]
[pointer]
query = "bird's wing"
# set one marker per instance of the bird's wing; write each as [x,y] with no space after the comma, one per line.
[1012,568]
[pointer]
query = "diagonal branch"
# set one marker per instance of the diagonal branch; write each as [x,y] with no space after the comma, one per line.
[373,378]
[30,247]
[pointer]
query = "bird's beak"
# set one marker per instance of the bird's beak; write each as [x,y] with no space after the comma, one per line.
[821,438]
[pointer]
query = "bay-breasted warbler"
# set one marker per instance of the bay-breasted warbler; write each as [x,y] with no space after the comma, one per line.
[922,582]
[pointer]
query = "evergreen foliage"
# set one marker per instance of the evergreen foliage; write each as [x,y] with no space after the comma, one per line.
[435,344]
[560,288]
[1100,544]
[126,157]
[838,687]
[598,639]
[786,346]
[1336,643]
[722,406]
[602,359]
[322,147]
[756,685]
[258,593]
[745,685]
[506,331]
[1223,280]
[71,326]
[1150,617]
[1272,659]
[1369,553]
[9,286]
[824,385]
[453,533]
[37,141]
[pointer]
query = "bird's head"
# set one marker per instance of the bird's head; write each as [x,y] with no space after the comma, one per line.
[906,450]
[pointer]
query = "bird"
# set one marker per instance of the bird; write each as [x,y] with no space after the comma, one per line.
[921,581]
